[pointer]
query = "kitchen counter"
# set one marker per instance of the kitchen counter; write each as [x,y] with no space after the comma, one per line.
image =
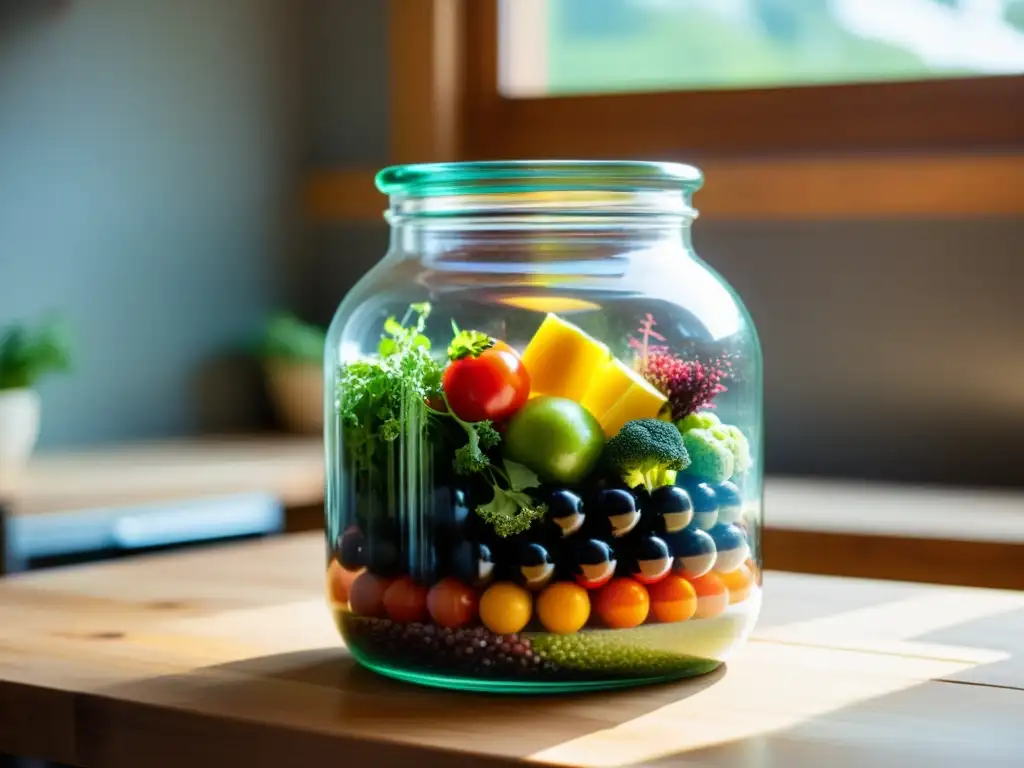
[227,656]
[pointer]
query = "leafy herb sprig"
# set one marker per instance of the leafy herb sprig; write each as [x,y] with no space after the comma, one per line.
[375,397]
[512,510]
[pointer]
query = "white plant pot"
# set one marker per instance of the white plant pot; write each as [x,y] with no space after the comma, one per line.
[19,430]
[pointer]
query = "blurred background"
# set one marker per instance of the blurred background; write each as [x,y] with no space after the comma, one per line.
[185,188]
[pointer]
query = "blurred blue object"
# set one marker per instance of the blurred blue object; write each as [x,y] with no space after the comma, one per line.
[33,540]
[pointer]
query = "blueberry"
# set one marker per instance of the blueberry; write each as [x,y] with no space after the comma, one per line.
[352,549]
[594,563]
[535,566]
[473,563]
[672,507]
[705,502]
[383,555]
[732,547]
[450,513]
[565,511]
[617,511]
[694,552]
[650,559]
[730,502]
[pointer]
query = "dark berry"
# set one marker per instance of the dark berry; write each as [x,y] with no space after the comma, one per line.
[730,502]
[650,559]
[594,563]
[382,555]
[450,513]
[617,511]
[352,549]
[672,508]
[565,511]
[473,563]
[535,566]
[694,552]
[701,494]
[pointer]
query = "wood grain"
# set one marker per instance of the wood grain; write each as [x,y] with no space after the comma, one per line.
[188,658]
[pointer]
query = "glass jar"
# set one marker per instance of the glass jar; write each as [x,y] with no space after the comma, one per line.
[543,434]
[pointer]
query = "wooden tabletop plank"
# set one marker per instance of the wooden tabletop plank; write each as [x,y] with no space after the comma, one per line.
[291,468]
[184,658]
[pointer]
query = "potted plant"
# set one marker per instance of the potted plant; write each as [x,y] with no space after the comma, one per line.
[26,354]
[293,357]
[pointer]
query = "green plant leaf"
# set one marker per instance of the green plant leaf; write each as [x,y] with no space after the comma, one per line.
[520,476]
[27,354]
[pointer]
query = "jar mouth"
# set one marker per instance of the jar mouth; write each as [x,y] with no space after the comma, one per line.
[558,191]
[529,176]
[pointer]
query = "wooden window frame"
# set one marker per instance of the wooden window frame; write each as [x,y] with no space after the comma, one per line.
[943,148]
[977,113]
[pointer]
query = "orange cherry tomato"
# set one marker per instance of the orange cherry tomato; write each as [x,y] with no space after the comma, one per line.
[712,595]
[486,379]
[563,608]
[451,603]
[622,603]
[339,582]
[405,600]
[738,582]
[673,599]
[366,597]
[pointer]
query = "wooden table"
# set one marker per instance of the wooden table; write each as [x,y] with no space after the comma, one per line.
[290,467]
[227,656]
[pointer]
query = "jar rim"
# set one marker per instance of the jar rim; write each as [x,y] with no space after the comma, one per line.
[495,176]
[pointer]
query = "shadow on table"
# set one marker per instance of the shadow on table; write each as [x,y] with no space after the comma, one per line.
[935,691]
[322,694]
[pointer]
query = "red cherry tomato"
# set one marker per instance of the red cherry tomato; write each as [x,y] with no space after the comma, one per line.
[490,383]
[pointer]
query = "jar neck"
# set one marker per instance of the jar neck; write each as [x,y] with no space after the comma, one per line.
[530,230]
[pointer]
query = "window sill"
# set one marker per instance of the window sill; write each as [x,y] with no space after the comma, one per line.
[805,188]
[970,537]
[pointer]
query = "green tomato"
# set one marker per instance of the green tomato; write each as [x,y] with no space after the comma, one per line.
[556,437]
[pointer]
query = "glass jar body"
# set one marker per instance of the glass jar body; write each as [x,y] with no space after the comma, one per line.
[544,462]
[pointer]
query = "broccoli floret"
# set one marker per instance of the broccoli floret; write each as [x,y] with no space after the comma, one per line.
[487,434]
[730,438]
[710,458]
[511,512]
[736,442]
[646,452]
[698,420]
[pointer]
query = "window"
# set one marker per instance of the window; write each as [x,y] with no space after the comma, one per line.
[684,79]
[807,109]
[560,47]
